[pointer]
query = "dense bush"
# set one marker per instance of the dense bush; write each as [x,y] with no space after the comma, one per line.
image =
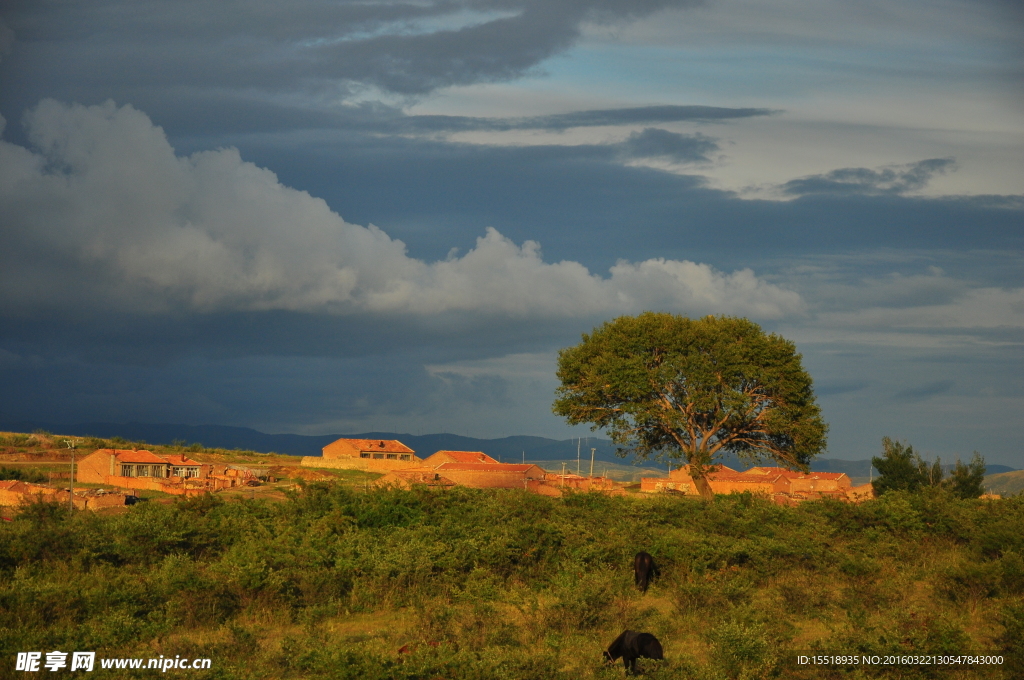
[506,584]
[25,475]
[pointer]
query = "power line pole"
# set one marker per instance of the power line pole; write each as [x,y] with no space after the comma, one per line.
[70,443]
[592,451]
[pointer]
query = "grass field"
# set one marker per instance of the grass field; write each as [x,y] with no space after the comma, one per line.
[334,579]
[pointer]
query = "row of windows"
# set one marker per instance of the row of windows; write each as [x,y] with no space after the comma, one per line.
[134,470]
[386,456]
[142,470]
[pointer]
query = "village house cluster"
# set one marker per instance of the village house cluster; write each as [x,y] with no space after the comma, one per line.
[130,471]
[476,469]
[445,469]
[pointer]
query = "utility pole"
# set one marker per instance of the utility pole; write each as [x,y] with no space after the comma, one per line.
[592,451]
[70,443]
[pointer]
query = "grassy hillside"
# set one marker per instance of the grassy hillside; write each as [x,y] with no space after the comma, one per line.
[1005,483]
[473,584]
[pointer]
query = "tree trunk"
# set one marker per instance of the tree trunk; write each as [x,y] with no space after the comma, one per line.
[700,480]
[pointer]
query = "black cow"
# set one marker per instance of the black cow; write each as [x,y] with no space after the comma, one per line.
[632,646]
[644,570]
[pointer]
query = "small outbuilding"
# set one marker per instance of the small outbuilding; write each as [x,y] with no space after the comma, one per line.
[378,455]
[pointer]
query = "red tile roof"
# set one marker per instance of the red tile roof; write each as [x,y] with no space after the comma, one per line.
[378,445]
[795,474]
[180,459]
[140,456]
[485,467]
[467,456]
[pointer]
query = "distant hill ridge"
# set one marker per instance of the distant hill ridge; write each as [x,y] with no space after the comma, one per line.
[507,449]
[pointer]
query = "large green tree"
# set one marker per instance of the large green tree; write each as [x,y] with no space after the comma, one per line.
[670,387]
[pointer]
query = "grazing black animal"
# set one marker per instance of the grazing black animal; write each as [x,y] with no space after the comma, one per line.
[632,646]
[644,570]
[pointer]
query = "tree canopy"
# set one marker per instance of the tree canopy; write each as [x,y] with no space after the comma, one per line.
[667,386]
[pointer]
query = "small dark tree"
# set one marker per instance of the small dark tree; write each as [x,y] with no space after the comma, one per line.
[692,389]
[932,473]
[901,469]
[967,479]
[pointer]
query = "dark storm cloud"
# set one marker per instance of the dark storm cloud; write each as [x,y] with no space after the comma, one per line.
[633,116]
[147,50]
[235,115]
[890,180]
[657,143]
[269,389]
[586,205]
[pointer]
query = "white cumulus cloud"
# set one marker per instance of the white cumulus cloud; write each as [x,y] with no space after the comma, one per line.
[101,212]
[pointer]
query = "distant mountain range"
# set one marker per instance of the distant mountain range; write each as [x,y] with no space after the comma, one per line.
[506,449]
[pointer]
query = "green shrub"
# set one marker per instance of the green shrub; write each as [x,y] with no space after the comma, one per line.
[31,475]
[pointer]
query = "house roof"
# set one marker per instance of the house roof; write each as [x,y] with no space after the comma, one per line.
[742,478]
[486,467]
[795,474]
[140,456]
[466,456]
[378,445]
[180,459]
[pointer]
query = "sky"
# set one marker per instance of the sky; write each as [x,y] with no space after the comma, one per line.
[348,216]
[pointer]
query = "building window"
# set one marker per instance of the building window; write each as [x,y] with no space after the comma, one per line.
[392,456]
[177,472]
[142,471]
[378,455]
[364,454]
[127,470]
[405,456]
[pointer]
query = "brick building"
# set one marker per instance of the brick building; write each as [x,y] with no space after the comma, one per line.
[376,455]
[138,470]
[406,479]
[14,493]
[491,475]
[784,486]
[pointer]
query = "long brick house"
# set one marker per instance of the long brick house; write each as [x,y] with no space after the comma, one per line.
[377,455]
[782,485]
[141,469]
[477,470]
